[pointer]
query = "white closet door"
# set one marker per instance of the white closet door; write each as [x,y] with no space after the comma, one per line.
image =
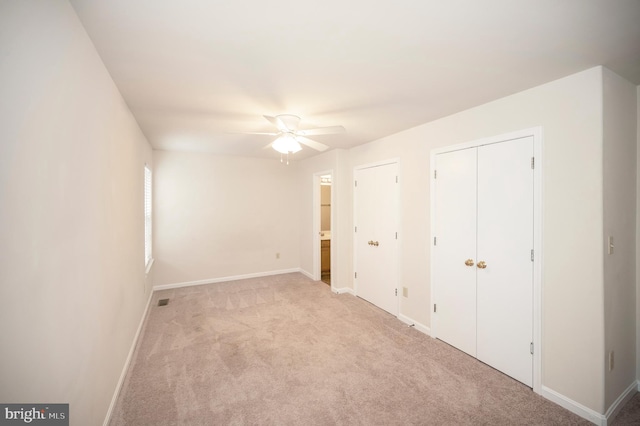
[505,241]
[483,207]
[455,219]
[376,217]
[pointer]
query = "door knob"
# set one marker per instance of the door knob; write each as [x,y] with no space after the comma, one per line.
[469,262]
[482,264]
[370,242]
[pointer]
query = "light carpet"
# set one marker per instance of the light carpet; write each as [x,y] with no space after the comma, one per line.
[286,350]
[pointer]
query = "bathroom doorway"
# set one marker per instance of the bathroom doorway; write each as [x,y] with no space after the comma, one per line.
[325,228]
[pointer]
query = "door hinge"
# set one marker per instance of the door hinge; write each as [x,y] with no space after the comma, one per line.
[435,308]
[356,183]
[435,240]
[533,162]
[355,275]
[396,235]
[396,179]
[435,174]
[531,348]
[355,229]
[532,255]
[396,291]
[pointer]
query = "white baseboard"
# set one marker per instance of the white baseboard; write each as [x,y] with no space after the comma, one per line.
[617,405]
[224,279]
[587,413]
[127,362]
[574,407]
[343,290]
[306,274]
[420,327]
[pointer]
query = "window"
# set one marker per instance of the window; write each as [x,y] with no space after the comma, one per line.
[147,217]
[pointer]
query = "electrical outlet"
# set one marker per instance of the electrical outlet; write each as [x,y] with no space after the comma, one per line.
[405,291]
[610,249]
[611,361]
[277,255]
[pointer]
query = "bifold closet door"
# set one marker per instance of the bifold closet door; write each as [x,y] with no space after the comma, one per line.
[376,244]
[505,241]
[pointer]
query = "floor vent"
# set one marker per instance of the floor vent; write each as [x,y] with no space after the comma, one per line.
[163,302]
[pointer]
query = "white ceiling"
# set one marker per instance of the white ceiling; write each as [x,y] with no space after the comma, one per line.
[195,71]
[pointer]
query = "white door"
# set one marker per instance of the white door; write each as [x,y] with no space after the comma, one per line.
[376,226]
[455,218]
[505,241]
[483,270]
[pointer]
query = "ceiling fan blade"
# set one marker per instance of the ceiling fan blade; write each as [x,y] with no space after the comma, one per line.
[272,120]
[254,133]
[277,122]
[284,122]
[290,121]
[312,144]
[322,130]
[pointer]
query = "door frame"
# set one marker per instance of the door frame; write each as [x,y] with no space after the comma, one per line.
[317,273]
[537,134]
[396,161]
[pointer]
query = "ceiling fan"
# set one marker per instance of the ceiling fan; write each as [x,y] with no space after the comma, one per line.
[290,136]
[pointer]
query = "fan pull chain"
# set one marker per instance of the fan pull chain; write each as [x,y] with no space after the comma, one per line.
[282,160]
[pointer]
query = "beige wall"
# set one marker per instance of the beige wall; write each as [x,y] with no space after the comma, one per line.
[218,217]
[72,280]
[619,142]
[570,112]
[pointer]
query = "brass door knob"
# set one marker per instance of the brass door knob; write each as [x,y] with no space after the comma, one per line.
[482,264]
[375,243]
[469,262]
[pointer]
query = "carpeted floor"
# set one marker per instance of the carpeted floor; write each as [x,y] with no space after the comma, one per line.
[285,350]
[630,413]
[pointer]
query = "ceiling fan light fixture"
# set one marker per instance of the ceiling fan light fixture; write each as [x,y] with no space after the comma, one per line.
[286,144]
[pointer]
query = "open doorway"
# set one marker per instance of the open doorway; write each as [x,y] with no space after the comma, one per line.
[325,228]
